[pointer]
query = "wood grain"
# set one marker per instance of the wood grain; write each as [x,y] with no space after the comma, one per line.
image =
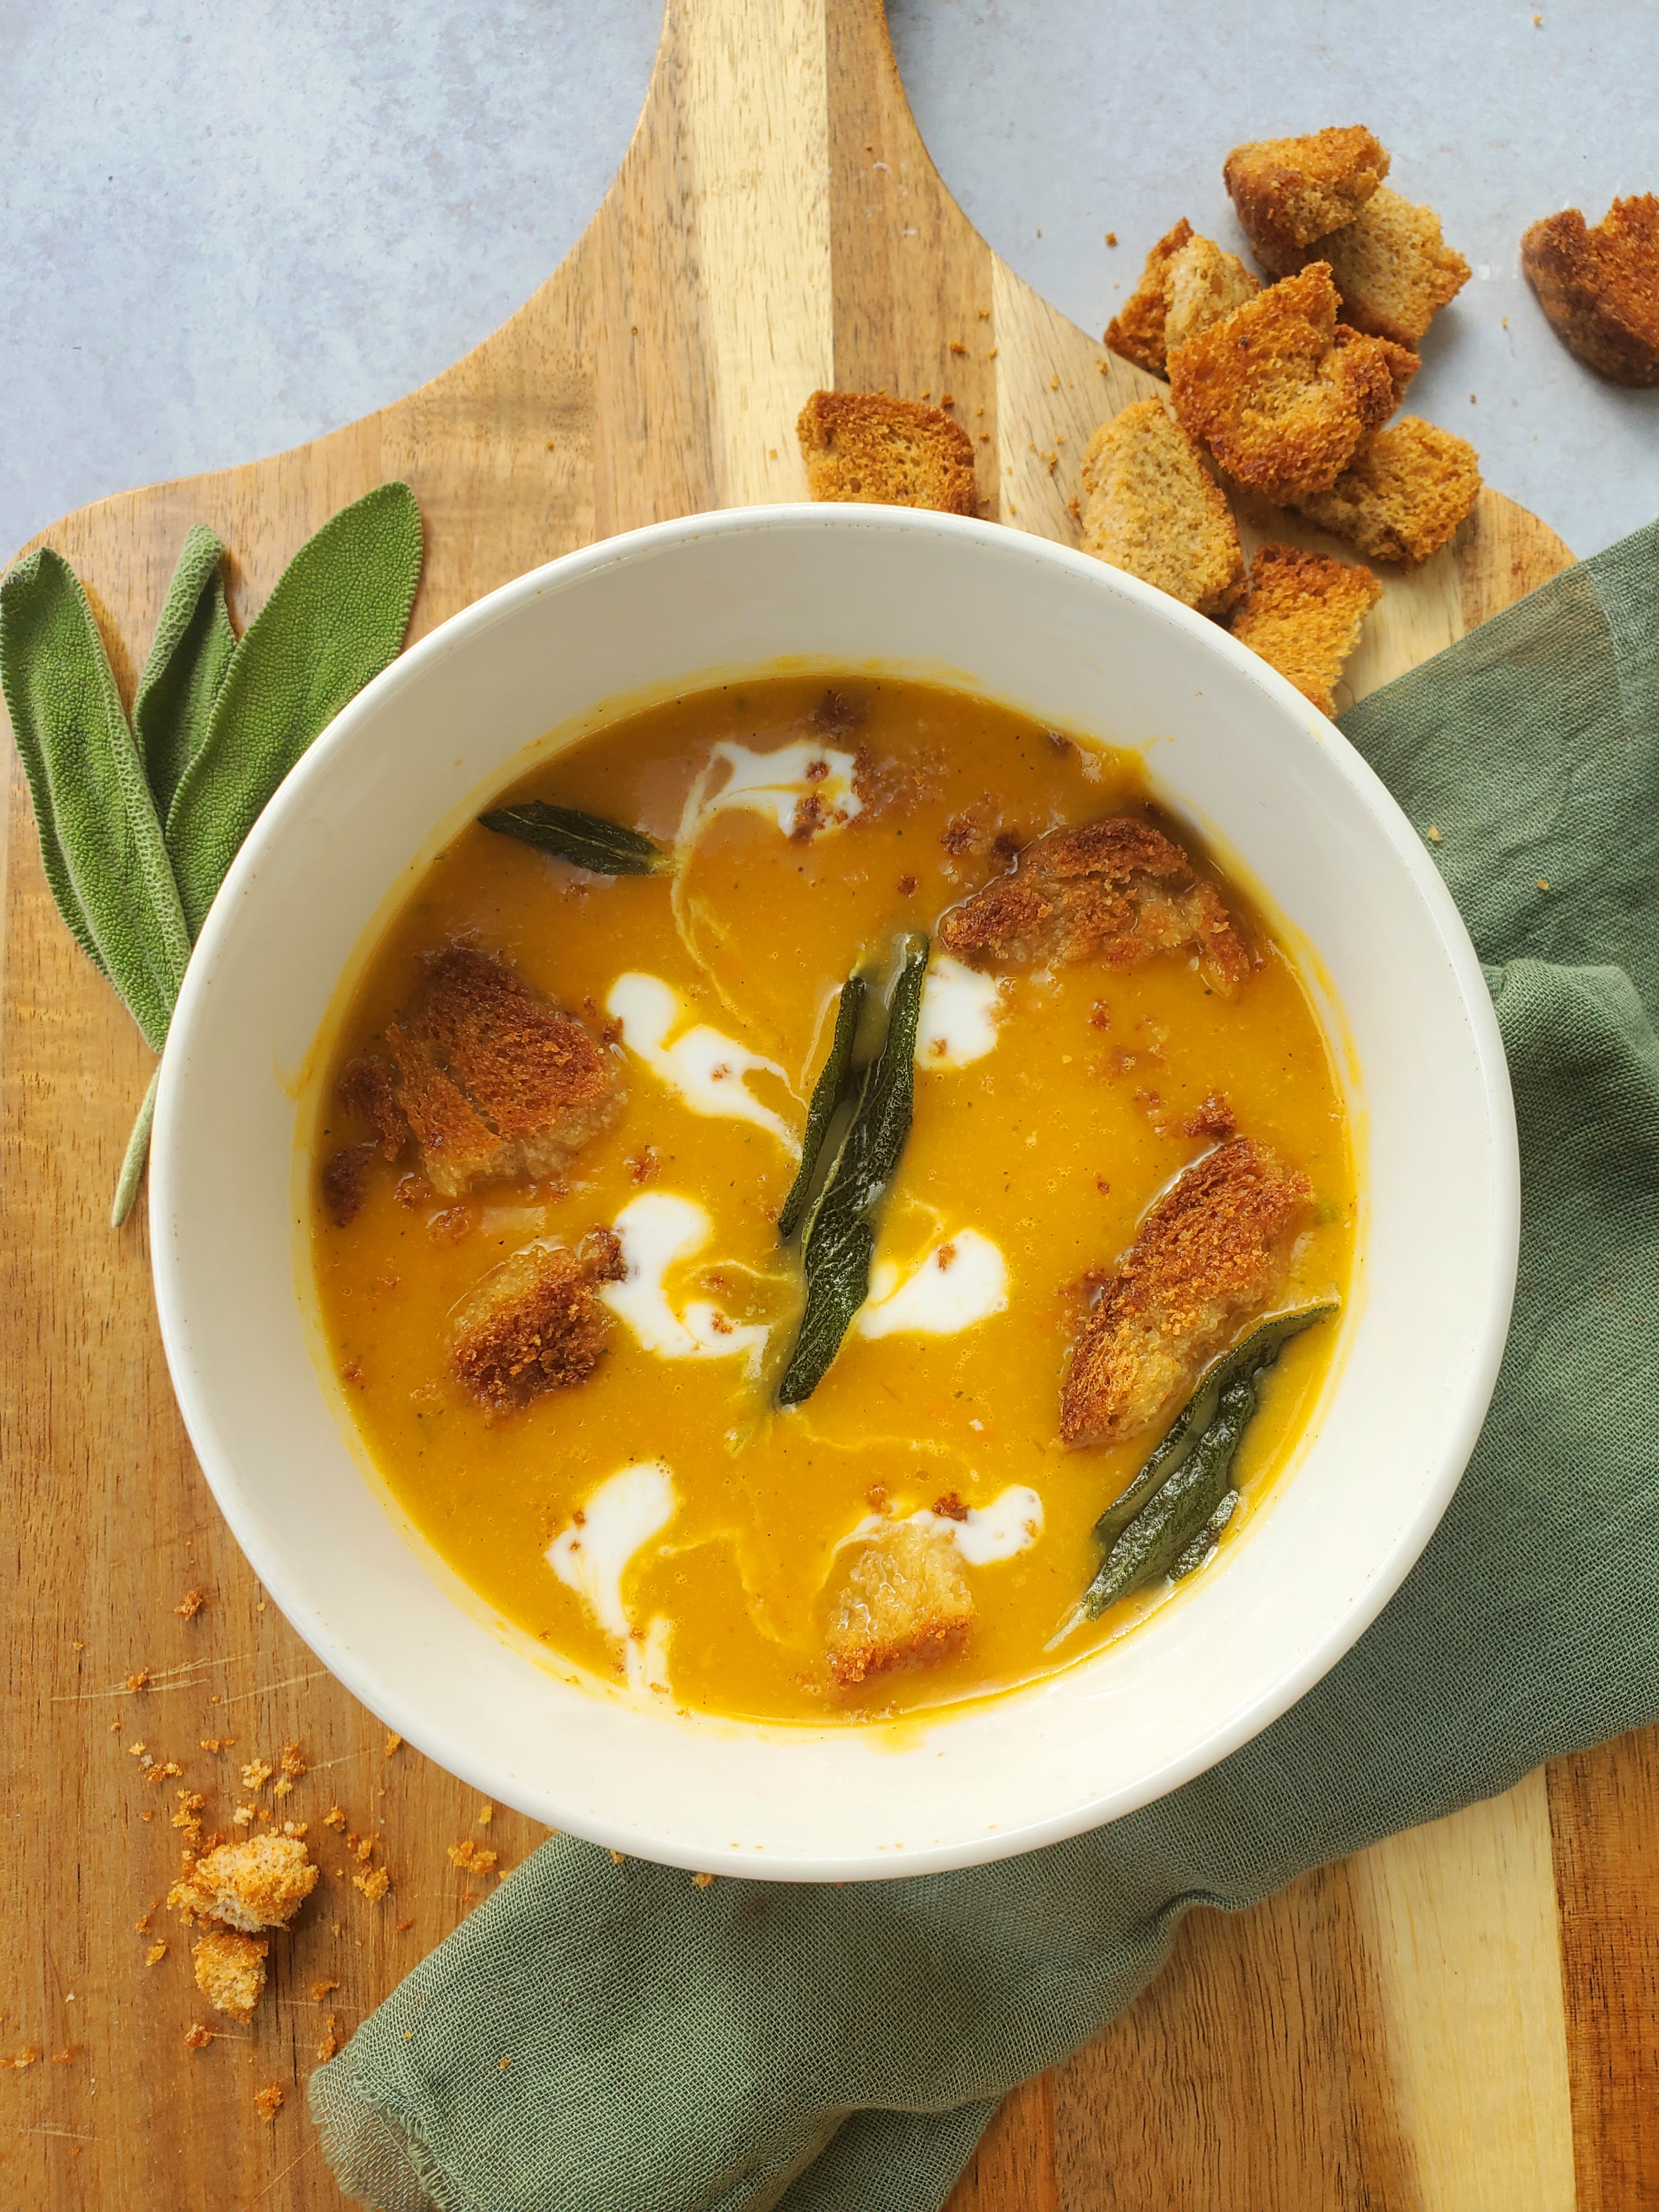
[776,224]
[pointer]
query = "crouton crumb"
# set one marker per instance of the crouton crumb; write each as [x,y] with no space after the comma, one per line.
[255,1774]
[330,2039]
[156,1953]
[269,2102]
[291,1759]
[140,1680]
[197,2037]
[374,1884]
[190,1604]
[486,1815]
[394,1742]
[703,1881]
[334,1818]
[257,1884]
[474,1858]
[230,1970]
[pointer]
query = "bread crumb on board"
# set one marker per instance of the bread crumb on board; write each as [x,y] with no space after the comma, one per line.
[230,1970]
[269,2102]
[258,1884]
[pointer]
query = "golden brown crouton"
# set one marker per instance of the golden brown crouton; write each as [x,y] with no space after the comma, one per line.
[1600,287]
[1213,1252]
[533,1324]
[345,1183]
[892,453]
[1117,890]
[1403,494]
[1202,286]
[230,1970]
[1288,191]
[904,1602]
[1280,402]
[492,1083]
[1391,268]
[260,1883]
[1137,331]
[1150,506]
[1301,614]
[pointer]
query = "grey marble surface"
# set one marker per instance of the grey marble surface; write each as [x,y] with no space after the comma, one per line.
[230,228]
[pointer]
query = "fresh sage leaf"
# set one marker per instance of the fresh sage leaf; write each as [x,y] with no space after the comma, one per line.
[1167,1519]
[604,848]
[101,837]
[136,1153]
[833,1086]
[336,618]
[188,659]
[840,1237]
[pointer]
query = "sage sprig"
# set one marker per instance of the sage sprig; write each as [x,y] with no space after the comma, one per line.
[831,1089]
[840,1238]
[604,848]
[1168,1520]
[216,725]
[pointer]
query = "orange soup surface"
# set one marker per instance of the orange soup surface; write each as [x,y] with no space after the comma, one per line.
[660,1524]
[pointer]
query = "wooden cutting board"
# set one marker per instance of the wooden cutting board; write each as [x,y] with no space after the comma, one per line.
[1463,2017]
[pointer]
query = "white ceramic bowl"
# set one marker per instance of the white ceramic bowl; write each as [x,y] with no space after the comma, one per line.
[1231,746]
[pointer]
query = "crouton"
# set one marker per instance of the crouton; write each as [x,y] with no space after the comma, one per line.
[1212,1253]
[890,453]
[1117,891]
[1600,288]
[1137,333]
[1280,402]
[230,1970]
[493,1083]
[1301,614]
[1403,494]
[1150,506]
[345,1183]
[532,1325]
[904,1602]
[1288,191]
[261,1883]
[1392,269]
[1202,286]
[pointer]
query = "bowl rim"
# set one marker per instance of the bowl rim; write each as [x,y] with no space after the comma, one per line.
[1460,1423]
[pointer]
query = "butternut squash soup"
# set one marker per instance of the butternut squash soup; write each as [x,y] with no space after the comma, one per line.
[827,1202]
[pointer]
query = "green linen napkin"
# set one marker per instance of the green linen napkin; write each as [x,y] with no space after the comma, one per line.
[839,2049]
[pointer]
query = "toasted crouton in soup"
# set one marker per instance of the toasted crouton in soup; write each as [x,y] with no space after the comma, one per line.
[863,446]
[1152,508]
[1600,288]
[532,1325]
[1404,492]
[1213,1253]
[1137,332]
[904,1602]
[1302,614]
[1278,398]
[1288,191]
[492,1084]
[1117,891]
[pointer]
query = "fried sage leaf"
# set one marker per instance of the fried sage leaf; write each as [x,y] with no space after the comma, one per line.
[840,1236]
[189,657]
[605,848]
[836,1082]
[336,617]
[1169,1515]
[100,839]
